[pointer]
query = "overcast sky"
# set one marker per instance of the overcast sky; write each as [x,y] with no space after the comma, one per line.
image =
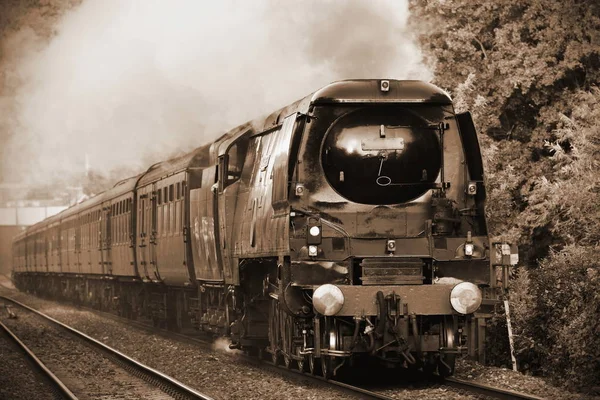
[132,82]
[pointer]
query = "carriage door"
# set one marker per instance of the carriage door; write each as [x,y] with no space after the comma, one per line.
[78,257]
[147,232]
[153,231]
[142,228]
[105,242]
[203,220]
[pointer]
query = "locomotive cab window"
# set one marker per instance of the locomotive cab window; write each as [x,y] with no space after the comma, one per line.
[232,163]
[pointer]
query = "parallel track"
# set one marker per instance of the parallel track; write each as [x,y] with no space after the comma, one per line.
[451,382]
[166,383]
[59,387]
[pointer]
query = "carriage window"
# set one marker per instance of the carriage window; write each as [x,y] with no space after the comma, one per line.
[165,195]
[171,192]
[159,195]
[178,190]
[183,188]
[165,215]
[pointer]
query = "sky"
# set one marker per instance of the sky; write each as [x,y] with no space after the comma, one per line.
[125,83]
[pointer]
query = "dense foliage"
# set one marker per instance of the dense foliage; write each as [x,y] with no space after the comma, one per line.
[529,71]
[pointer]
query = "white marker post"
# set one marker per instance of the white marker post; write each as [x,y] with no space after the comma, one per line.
[510,336]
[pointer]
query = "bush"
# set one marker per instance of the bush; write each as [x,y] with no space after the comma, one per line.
[497,346]
[531,80]
[526,322]
[556,319]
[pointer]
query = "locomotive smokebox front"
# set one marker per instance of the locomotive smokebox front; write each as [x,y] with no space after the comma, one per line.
[376,156]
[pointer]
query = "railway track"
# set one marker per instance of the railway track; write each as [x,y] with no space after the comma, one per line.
[134,379]
[454,384]
[58,388]
[458,385]
[487,390]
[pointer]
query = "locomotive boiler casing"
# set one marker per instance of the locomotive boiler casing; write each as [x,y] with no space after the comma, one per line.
[369,169]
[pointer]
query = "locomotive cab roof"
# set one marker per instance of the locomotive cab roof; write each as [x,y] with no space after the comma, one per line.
[371,91]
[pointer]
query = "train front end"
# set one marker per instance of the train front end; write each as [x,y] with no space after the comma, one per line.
[389,246]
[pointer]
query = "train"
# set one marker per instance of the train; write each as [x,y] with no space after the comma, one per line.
[346,228]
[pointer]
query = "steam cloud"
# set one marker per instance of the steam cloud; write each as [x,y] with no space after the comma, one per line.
[132,82]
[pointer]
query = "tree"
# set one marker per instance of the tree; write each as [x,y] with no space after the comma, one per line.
[529,71]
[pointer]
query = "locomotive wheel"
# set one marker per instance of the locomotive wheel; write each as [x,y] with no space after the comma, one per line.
[429,367]
[446,368]
[288,324]
[301,360]
[327,365]
[312,368]
[274,333]
[447,362]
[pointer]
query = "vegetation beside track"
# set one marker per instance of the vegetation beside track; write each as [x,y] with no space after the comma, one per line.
[530,72]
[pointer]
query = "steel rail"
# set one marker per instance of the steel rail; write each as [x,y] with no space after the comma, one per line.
[56,382]
[486,390]
[345,387]
[180,389]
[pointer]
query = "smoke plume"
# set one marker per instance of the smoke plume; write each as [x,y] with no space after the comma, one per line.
[123,84]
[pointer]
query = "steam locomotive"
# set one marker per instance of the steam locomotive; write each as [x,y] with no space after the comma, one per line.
[346,226]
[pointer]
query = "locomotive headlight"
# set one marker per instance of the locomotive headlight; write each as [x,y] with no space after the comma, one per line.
[391,246]
[313,230]
[465,298]
[384,86]
[472,188]
[328,299]
[313,250]
[469,247]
